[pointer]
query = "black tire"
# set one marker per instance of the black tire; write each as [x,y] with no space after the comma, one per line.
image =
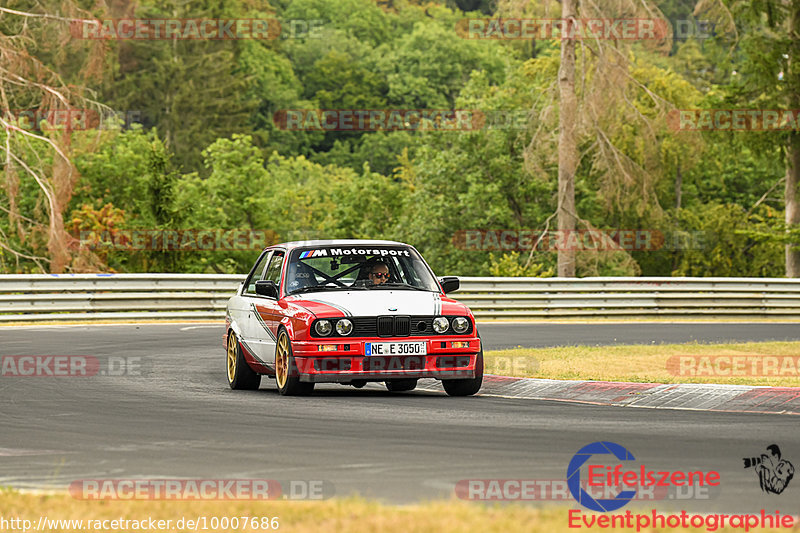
[466,387]
[287,377]
[401,385]
[240,375]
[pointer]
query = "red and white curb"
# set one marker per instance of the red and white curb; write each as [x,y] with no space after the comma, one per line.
[691,396]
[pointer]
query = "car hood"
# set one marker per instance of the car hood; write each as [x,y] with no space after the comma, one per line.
[377,302]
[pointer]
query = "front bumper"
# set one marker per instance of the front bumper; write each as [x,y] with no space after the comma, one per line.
[348,362]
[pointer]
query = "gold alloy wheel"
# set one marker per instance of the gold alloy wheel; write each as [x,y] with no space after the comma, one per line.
[282,360]
[231,357]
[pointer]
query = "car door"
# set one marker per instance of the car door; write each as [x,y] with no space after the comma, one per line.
[265,314]
[242,307]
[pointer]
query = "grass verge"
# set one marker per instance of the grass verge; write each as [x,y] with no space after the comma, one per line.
[345,514]
[775,364]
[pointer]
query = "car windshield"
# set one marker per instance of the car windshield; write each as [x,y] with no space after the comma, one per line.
[357,267]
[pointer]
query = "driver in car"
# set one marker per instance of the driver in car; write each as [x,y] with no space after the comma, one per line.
[379,273]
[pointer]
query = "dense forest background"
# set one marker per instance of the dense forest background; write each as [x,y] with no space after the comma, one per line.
[196,145]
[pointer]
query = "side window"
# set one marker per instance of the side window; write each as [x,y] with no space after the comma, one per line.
[250,286]
[274,268]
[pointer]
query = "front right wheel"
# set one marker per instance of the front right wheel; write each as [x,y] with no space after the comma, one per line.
[286,375]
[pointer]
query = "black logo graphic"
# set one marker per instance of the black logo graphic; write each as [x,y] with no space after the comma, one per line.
[774,473]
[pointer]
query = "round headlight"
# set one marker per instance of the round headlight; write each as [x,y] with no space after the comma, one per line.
[344,327]
[323,328]
[440,324]
[460,324]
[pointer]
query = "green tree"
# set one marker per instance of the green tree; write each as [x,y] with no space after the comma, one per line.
[768,77]
[191,91]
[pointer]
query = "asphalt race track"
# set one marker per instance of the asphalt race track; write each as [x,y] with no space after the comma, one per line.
[175,417]
[500,336]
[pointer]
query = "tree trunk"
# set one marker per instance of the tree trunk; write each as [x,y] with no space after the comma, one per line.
[567,142]
[678,186]
[792,196]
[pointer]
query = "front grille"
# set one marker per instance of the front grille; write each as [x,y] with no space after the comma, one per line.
[402,326]
[365,327]
[385,326]
[394,326]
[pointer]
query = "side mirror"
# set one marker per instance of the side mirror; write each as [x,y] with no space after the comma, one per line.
[267,288]
[450,284]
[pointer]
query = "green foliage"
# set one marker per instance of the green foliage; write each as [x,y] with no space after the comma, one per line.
[292,198]
[420,69]
[362,19]
[130,170]
[209,156]
[380,150]
[732,244]
[131,173]
[192,91]
[274,86]
[515,264]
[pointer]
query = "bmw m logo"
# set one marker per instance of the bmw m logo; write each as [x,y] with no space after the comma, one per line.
[313,253]
[392,309]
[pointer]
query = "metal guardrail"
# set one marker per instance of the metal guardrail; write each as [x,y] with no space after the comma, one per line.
[48,297]
[44,297]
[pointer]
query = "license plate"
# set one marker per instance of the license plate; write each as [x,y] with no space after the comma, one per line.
[395,348]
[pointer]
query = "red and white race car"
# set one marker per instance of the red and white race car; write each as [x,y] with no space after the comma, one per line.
[349,311]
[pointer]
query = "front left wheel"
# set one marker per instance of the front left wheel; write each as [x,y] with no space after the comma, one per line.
[240,375]
[466,387]
[287,376]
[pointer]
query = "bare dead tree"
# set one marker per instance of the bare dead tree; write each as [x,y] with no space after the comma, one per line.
[567,141]
[792,191]
[27,82]
[598,96]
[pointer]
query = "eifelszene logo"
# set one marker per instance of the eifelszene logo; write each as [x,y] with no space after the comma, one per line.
[774,473]
[607,476]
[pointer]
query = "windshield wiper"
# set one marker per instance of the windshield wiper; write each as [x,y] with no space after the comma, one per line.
[403,285]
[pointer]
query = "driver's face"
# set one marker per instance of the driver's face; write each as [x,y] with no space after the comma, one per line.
[379,274]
